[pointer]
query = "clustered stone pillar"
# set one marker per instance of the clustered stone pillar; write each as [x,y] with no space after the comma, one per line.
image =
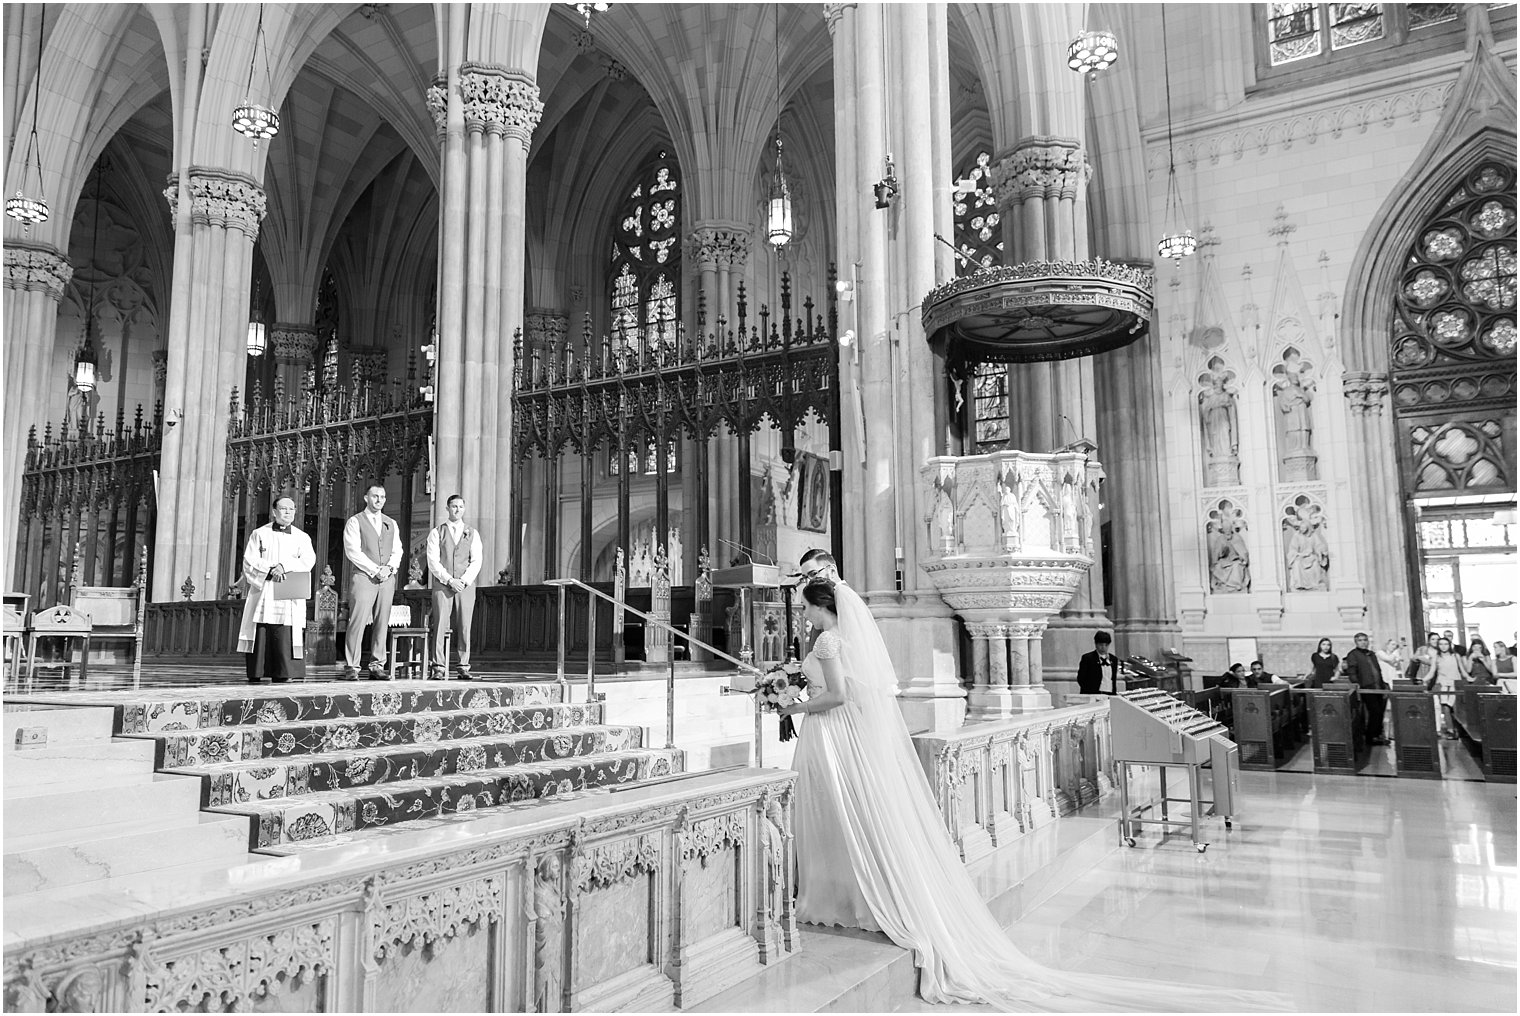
[486,115]
[208,330]
[36,276]
[1375,486]
[721,250]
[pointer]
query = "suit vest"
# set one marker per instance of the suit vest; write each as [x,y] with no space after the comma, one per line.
[454,557]
[376,546]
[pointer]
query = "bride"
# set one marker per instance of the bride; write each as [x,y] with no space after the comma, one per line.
[873,853]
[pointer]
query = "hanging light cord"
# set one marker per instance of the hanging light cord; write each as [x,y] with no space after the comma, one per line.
[254,59]
[89,310]
[1166,63]
[778,96]
[32,145]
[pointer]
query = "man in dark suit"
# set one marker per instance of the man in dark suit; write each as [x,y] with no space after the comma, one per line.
[1361,666]
[1095,665]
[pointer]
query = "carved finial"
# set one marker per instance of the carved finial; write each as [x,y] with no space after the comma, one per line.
[1281,227]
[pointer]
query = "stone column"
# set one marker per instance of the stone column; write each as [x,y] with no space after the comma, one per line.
[721,248]
[35,278]
[487,113]
[207,346]
[1375,487]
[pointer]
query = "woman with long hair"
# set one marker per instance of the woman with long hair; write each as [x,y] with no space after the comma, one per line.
[873,853]
[1445,669]
[1504,661]
[1480,665]
[1322,664]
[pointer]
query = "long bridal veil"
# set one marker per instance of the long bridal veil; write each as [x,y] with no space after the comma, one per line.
[912,877]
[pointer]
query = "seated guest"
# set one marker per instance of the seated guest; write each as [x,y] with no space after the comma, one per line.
[1480,665]
[1235,677]
[1259,675]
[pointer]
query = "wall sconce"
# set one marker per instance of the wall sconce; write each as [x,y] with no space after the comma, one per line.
[886,187]
[847,338]
[846,290]
[172,417]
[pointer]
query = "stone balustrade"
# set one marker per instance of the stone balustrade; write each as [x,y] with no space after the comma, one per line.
[994,782]
[647,900]
[1009,537]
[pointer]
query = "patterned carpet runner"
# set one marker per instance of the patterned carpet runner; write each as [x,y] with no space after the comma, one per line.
[311,761]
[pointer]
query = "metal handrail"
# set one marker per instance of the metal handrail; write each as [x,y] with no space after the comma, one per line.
[670,676]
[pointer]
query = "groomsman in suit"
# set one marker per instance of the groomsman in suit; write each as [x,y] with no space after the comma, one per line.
[372,544]
[454,559]
[1097,664]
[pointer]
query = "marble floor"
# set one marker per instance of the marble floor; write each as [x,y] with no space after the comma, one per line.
[1345,894]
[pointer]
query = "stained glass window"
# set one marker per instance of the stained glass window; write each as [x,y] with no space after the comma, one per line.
[979,242]
[1453,329]
[645,266]
[1296,35]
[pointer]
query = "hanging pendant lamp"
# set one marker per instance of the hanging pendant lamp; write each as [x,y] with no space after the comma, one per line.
[252,119]
[26,210]
[1177,240]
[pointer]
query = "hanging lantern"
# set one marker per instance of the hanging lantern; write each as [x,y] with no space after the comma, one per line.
[778,223]
[257,341]
[84,367]
[252,119]
[1177,245]
[27,211]
[1092,51]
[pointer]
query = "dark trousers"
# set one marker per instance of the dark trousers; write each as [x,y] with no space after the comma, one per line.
[273,655]
[445,602]
[1372,715]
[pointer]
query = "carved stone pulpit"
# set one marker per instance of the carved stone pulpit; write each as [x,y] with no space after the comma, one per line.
[1009,537]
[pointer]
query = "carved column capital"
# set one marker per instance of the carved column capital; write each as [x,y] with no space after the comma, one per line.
[1040,168]
[715,246]
[293,344]
[499,101]
[437,99]
[1365,391]
[988,629]
[220,197]
[37,267]
[833,13]
[545,329]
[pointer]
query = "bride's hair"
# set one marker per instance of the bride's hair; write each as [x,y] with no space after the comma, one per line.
[820,593]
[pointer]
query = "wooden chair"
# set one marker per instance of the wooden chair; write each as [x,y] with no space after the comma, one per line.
[60,621]
[15,643]
[117,613]
[403,635]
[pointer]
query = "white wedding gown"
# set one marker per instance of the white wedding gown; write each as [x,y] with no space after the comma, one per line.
[873,853]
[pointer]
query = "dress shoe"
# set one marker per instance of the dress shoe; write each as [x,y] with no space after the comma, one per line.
[350,674]
[438,674]
[377,673]
[464,674]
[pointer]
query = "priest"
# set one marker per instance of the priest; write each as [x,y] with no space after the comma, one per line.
[277,565]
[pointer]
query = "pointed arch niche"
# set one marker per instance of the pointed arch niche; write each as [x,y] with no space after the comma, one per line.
[1430,379]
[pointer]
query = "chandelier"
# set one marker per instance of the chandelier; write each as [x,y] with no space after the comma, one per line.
[1177,240]
[585,10]
[251,119]
[778,225]
[25,210]
[1093,50]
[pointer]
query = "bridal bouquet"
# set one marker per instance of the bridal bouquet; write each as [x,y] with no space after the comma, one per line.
[778,688]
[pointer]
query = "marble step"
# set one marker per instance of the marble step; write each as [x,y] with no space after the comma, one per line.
[82,762]
[316,815]
[848,970]
[244,743]
[52,860]
[191,709]
[59,724]
[112,800]
[265,779]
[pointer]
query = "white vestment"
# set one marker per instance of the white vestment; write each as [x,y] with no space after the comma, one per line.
[267,548]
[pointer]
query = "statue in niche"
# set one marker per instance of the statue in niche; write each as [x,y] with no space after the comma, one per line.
[1305,549]
[548,934]
[1221,428]
[641,565]
[1011,497]
[1293,394]
[774,833]
[1229,560]
[1071,539]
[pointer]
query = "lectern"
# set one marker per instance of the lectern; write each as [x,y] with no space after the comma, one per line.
[747,578]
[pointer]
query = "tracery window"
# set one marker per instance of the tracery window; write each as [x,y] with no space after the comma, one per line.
[1453,342]
[979,241]
[645,263]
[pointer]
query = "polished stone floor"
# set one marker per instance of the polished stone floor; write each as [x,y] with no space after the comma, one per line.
[1346,894]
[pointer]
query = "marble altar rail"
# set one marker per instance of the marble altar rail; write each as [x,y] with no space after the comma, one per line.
[996,781]
[650,899]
